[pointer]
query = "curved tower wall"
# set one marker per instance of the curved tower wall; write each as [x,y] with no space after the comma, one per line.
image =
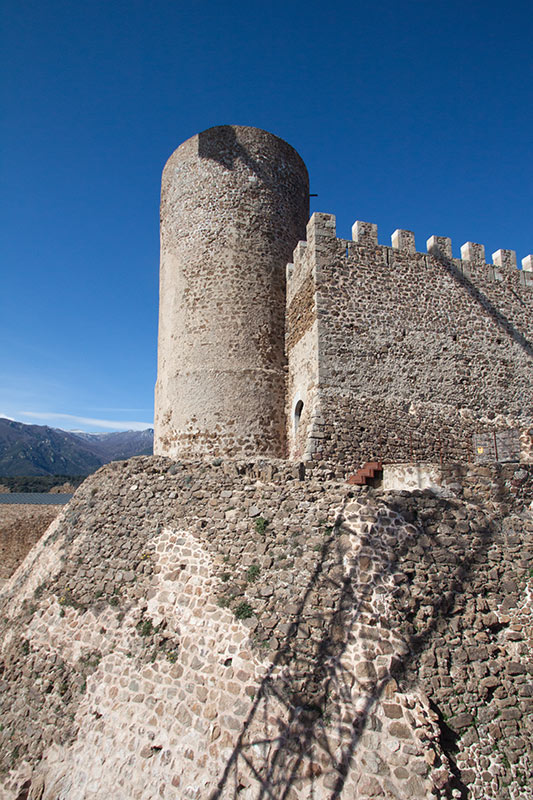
[234,203]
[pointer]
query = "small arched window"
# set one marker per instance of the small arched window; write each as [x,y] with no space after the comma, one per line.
[297,414]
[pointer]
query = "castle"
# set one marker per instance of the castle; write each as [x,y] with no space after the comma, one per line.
[278,338]
[235,618]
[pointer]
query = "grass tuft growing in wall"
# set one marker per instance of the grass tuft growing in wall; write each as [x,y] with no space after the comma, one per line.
[252,573]
[260,524]
[244,610]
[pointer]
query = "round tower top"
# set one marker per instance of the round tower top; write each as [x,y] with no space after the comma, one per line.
[225,142]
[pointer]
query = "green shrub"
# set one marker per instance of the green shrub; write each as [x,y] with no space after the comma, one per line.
[145,627]
[244,610]
[260,524]
[252,573]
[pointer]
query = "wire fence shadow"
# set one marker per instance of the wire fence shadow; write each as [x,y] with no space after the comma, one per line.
[317,697]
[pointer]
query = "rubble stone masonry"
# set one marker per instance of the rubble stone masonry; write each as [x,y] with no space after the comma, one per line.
[414,353]
[235,626]
[21,526]
[249,629]
[234,202]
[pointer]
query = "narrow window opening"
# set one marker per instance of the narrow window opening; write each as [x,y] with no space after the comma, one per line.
[297,414]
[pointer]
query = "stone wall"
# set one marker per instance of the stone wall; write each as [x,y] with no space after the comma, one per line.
[230,629]
[234,203]
[21,526]
[410,477]
[417,352]
[301,343]
[496,486]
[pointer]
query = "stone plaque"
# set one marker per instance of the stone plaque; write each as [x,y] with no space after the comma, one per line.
[498,446]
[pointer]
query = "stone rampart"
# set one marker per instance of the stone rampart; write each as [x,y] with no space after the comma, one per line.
[21,526]
[413,353]
[221,630]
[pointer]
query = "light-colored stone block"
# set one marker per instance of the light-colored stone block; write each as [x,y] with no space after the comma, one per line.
[527,263]
[322,224]
[504,258]
[365,232]
[440,246]
[403,240]
[470,251]
[299,252]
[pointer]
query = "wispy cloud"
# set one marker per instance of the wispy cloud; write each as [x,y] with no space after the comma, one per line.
[114,408]
[72,419]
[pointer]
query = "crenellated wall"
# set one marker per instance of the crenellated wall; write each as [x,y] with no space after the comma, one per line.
[406,355]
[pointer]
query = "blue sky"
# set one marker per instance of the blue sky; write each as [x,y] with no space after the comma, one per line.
[413,115]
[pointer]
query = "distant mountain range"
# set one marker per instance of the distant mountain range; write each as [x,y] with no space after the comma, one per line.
[40,450]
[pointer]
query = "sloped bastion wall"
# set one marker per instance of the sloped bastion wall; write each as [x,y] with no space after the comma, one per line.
[249,630]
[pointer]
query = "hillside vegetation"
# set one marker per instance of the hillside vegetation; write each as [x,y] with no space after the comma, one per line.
[34,450]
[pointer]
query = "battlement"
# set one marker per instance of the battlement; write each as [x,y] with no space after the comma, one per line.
[394,352]
[321,229]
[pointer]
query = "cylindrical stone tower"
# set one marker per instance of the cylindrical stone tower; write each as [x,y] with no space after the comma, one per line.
[234,204]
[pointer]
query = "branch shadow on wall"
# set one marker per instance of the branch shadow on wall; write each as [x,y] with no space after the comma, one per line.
[222,145]
[315,689]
